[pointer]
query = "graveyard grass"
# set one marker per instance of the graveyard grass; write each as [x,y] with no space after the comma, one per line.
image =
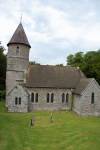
[68,131]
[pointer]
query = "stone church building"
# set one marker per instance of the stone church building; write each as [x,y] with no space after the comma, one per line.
[46,87]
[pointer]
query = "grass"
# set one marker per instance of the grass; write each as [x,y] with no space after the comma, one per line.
[67,132]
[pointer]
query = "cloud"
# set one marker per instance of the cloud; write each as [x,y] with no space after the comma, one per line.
[54,28]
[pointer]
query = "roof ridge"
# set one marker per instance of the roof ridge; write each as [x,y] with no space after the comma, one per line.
[57,66]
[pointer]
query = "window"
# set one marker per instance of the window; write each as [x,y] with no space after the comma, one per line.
[92,98]
[32,97]
[36,98]
[67,97]
[48,97]
[19,100]
[16,100]
[63,98]
[17,50]
[52,98]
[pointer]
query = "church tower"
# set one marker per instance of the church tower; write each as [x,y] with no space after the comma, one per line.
[17,58]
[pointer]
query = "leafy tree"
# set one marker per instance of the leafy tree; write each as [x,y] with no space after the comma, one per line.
[34,63]
[61,65]
[2,68]
[89,63]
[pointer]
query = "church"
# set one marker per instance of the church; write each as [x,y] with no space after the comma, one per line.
[31,87]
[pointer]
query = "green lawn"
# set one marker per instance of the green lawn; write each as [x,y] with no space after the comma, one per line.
[67,132]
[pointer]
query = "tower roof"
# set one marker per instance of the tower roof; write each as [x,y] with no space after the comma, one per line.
[19,37]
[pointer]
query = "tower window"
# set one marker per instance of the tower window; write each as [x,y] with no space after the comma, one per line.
[36,98]
[48,97]
[92,98]
[52,98]
[17,50]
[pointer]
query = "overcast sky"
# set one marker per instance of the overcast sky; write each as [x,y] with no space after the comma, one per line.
[55,28]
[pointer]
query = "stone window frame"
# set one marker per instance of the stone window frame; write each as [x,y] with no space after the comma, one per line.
[65,98]
[17,100]
[52,97]
[32,97]
[48,97]
[92,97]
[17,50]
[36,97]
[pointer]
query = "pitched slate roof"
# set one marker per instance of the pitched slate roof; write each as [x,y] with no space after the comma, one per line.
[53,76]
[19,37]
[82,85]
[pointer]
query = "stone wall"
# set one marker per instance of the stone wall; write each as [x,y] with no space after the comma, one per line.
[17,64]
[84,101]
[18,91]
[77,104]
[81,103]
[42,99]
[17,61]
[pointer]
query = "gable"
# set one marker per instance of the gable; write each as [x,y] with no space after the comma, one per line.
[93,86]
[85,84]
[18,89]
[81,86]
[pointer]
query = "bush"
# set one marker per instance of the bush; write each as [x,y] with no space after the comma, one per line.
[2,95]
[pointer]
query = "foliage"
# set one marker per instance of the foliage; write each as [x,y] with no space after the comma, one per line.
[2,68]
[61,65]
[34,63]
[2,94]
[67,131]
[89,63]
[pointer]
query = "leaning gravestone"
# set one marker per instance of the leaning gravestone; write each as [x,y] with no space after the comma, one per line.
[51,117]
[32,121]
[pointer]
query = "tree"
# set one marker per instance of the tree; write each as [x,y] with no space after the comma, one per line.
[61,65]
[89,63]
[34,63]
[2,68]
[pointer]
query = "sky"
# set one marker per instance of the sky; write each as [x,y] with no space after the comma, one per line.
[55,28]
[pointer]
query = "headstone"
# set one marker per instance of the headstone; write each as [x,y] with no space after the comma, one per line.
[32,121]
[51,117]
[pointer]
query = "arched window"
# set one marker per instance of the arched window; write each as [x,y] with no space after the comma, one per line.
[19,100]
[52,98]
[67,97]
[63,98]
[48,97]
[92,98]
[17,50]
[16,100]
[36,98]
[32,97]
